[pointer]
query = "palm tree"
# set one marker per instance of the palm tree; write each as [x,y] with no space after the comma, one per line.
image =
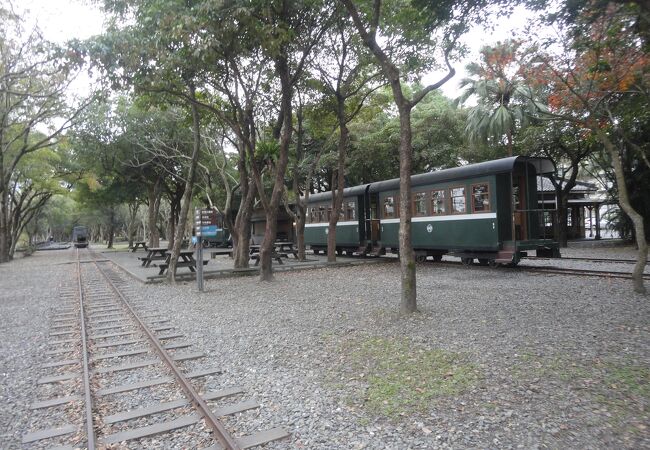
[504,102]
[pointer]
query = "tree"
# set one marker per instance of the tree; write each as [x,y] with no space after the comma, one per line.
[295,29]
[157,53]
[33,183]
[600,63]
[412,35]
[347,77]
[504,101]
[34,76]
[307,152]
[100,147]
[567,145]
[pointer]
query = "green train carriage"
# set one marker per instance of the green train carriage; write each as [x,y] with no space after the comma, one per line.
[479,211]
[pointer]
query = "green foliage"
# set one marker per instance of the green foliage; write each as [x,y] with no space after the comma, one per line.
[438,139]
[267,151]
[402,378]
[504,102]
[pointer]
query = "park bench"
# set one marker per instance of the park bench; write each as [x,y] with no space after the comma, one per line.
[219,251]
[154,254]
[185,259]
[275,255]
[139,244]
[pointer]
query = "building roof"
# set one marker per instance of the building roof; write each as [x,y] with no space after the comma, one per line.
[581,187]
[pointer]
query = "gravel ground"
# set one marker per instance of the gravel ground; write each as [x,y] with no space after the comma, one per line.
[549,361]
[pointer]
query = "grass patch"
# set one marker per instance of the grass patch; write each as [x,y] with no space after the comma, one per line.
[633,380]
[402,378]
[619,388]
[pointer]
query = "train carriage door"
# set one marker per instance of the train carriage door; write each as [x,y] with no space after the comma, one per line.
[519,195]
[362,214]
[374,225]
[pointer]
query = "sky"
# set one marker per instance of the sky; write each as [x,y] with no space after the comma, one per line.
[61,20]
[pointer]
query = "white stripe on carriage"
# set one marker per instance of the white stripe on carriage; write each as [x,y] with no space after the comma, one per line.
[325,224]
[446,218]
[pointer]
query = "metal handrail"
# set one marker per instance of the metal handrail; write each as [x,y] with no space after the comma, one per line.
[542,229]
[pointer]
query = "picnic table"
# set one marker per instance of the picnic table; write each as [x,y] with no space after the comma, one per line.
[154,254]
[139,244]
[286,247]
[277,253]
[185,259]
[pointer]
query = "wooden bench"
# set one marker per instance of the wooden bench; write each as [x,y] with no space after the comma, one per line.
[286,247]
[191,264]
[154,254]
[275,255]
[219,251]
[138,244]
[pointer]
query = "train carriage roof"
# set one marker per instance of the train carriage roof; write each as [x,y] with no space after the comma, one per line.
[347,192]
[496,166]
[504,165]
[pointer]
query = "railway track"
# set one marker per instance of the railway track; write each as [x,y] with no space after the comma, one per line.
[118,374]
[578,258]
[552,270]
[582,272]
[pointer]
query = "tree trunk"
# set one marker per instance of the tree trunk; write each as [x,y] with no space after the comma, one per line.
[242,227]
[171,225]
[337,195]
[187,194]
[635,217]
[4,226]
[562,208]
[154,193]
[406,253]
[132,226]
[12,248]
[266,250]
[111,227]
[301,218]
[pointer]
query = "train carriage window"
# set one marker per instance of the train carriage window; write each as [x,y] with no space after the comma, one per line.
[321,214]
[480,197]
[438,204]
[351,211]
[457,196]
[389,207]
[329,214]
[420,204]
[342,213]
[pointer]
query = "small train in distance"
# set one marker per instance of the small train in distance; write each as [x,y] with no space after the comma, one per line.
[80,236]
[486,212]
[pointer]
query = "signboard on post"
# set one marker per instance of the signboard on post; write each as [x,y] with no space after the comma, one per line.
[205,225]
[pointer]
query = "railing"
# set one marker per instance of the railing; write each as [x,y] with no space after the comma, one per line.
[540,223]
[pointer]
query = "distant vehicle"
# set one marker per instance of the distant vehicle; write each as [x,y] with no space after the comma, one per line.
[216,234]
[80,237]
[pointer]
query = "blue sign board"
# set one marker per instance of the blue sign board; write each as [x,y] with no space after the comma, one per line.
[209,231]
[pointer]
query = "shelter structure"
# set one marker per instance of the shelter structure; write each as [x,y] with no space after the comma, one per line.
[583,213]
[285,231]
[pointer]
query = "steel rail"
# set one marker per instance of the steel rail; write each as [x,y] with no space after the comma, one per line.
[584,272]
[221,434]
[552,270]
[585,258]
[90,429]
